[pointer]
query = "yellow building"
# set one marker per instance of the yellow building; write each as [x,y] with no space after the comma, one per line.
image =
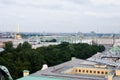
[117,71]
[88,71]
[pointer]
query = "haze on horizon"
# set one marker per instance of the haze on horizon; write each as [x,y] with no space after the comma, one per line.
[101,16]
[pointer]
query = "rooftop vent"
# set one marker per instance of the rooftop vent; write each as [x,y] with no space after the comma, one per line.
[73,58]
[100,66]
[45,66]
[26,73]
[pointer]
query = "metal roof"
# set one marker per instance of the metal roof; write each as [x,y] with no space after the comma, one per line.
[39,78]
[57,72]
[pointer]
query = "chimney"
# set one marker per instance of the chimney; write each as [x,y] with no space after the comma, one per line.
[73,58]
[45,66]
[25,72]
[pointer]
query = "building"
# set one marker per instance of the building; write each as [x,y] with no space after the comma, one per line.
[76,69]
[1,44]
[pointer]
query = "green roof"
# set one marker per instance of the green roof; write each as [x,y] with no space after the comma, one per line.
[26,71]
[39,78]
[115,49]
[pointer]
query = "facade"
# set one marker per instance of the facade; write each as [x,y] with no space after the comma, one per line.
[108,40]
[89,71]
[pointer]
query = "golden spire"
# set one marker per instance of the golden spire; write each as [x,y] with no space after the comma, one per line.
[17,35]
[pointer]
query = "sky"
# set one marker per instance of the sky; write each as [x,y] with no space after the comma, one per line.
[100,16]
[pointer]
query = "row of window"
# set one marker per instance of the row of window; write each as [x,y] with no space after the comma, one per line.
[91,71]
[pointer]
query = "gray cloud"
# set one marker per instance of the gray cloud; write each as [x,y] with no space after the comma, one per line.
[60,15]
[82,2]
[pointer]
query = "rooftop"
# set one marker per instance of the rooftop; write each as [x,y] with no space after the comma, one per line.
[57,72]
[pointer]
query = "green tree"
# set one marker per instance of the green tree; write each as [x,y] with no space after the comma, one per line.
[8,46]
[101,48]
[24,57]
[19,47]
[26,45]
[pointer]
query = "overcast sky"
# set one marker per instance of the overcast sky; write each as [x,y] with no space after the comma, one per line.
[101,16]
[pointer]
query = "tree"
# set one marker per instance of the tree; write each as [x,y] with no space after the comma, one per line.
[101,48]
[8,46]
[19,47]
[26,45]
[52,40]
[24,57]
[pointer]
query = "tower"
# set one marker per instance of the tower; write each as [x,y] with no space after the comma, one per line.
[17,35]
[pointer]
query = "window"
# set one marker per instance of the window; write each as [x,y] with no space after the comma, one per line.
[102,72]
[106,72]
[76,70]
[87,71]
[90,71]
[83,70]
[94,71]
[98,72]
[79,70]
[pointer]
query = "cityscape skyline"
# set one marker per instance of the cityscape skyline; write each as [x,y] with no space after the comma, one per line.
[60,15]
